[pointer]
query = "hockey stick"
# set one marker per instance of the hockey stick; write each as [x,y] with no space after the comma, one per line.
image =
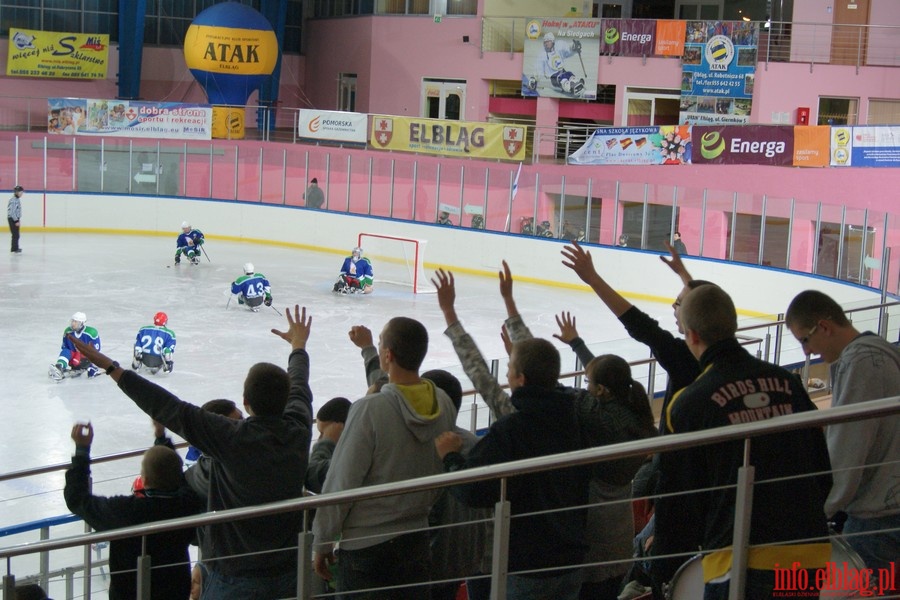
[206,254]
[583,70]
[278,312]
[227,304]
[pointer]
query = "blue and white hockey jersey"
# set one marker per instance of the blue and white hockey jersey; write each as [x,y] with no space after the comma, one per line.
[252,286]
[155,339]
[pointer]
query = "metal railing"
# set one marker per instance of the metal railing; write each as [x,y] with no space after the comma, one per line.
[867,410]
[850,244]
[766,341]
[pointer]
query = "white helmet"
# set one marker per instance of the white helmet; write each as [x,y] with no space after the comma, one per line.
[78,317]
[549,37]
[248,268]
[185,225]
[357,252]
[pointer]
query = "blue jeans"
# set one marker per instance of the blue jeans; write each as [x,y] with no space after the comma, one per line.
[402,560]
[562,587]
[217,586]
[876,549]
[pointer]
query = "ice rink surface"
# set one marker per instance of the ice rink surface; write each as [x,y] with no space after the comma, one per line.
[120,282]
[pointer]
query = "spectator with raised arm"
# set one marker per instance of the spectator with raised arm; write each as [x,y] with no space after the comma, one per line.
[165,495]
[671,352]
[601,421]
[252,462]
[388,437]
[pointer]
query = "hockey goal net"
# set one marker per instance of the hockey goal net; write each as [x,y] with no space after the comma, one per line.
[397,260]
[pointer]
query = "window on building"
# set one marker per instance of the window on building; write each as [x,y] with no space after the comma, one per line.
[347,92]
[883,112]
[651,107]
[838,111]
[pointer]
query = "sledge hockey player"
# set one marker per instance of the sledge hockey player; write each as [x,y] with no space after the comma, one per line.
[356,275]
[70,362]
[252,289]
[188,243]
[154,346]
[549,65]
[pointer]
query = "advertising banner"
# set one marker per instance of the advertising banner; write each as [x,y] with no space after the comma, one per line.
[670,37]
[665,145]
[865,146]
[449,138]
[628,37]
[718,72]
[773,145]
[561,58]
[129,118]
[332,126]
[34,53]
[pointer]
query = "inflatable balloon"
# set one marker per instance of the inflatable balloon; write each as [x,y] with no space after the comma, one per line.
[230,49]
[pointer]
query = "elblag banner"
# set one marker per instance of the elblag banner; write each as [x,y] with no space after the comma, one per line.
[449,138]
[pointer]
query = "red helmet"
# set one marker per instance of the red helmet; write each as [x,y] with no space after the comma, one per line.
[160,319]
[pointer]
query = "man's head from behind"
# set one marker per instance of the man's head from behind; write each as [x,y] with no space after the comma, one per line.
[676,306]
[266,390]
[533,362]
[224,407]
[404,343]
[447,382]
[817,321]
[161,469]
[708,316]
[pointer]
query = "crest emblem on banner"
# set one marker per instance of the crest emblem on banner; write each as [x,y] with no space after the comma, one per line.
[513,139]
[384,131]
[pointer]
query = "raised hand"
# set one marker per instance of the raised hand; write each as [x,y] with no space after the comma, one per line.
[83,434]
[446,289]
[507,342]
[506,282]
[579,260]
[361,336]
[298,327]
[567,329]
[675,263]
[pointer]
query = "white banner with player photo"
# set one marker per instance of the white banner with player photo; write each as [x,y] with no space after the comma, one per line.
[561,58]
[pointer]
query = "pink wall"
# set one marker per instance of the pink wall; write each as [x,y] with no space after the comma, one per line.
[164,78]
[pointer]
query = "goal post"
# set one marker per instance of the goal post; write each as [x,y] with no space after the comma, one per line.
[397,260]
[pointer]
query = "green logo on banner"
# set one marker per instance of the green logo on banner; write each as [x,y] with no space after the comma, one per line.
[711,145]
[611,35]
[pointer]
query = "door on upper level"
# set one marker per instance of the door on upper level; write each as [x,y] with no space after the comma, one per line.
[444,99]
[849,39]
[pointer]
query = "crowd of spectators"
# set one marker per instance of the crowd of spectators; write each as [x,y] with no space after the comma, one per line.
[571,531]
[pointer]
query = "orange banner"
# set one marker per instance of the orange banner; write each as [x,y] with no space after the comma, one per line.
[812,146]
[670,38]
